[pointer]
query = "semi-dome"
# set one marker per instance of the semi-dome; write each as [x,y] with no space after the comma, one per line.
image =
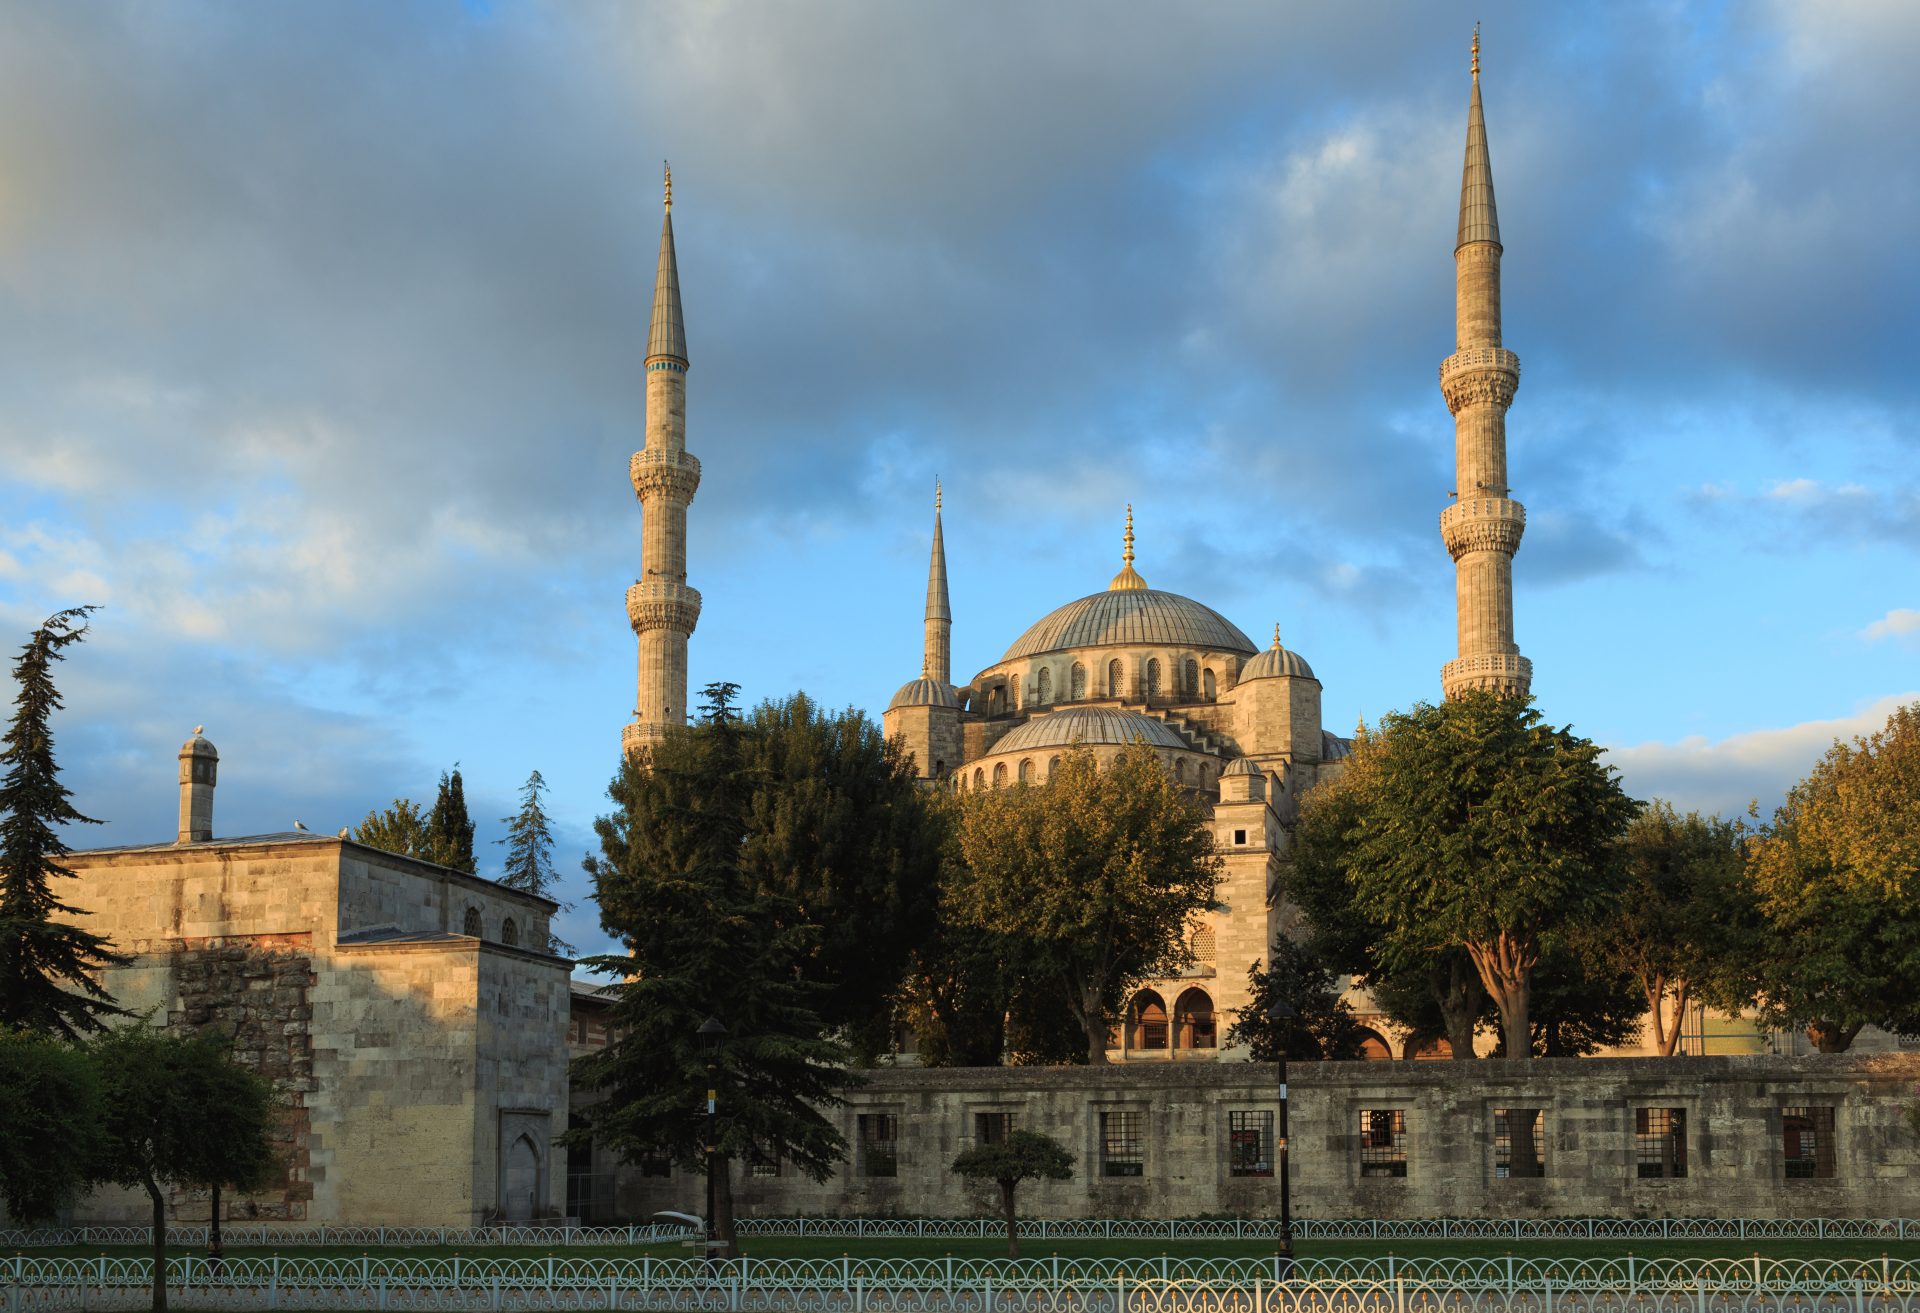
[924,692]
[1071,725]
[1240,766]
[1131,617]
[1275,662]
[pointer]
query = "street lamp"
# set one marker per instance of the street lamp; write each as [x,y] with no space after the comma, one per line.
[1280,1014]
[710,1034]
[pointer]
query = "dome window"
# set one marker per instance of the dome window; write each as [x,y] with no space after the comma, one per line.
[1208,688]
[1116,679]
[1043,687]
[1153,676]
[1077,682]
[1000,775]
[1190,677]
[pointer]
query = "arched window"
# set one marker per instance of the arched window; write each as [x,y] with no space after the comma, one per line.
[1180,770]
[939,768]
[1013,693]
[1373,1047]
[1026,770]
[1190,677]
[1147,1020]
[999,774]
[1207,686]
[1116,681]
[1043,687]
[471,925]
[1193,1020]
[1077,682]
[1200,780]
[1153,675]
[979,778]
[509,933]
[1053,764]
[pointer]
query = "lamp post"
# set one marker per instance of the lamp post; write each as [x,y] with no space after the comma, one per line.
[1280,1014]
[710,1034]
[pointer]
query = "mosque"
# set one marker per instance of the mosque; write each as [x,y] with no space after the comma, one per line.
[1237,724]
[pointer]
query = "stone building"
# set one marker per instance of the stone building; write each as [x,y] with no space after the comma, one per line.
[410,1014]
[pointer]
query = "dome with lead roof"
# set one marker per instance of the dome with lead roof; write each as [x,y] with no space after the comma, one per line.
[1131,617]
[1090,725]
[1276,662]
[924,692]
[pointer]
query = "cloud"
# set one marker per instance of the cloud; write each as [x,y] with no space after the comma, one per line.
[1723,776]
[1901,622]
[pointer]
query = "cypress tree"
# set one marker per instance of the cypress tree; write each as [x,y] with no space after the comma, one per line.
[449,828]
[40,957]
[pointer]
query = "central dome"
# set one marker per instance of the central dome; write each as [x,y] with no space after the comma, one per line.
[1131,617]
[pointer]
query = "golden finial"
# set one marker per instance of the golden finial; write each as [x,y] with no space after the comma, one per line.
[1126,554]
[1276,635]
[936,494]
[669,171]
[1476,52]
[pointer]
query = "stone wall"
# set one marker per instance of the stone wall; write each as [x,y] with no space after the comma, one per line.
[1733,1140]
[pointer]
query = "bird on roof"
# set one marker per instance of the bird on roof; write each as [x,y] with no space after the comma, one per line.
[300,826]
[199,729]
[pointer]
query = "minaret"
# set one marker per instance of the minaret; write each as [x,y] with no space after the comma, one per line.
[662,609]
[938,654]
[1483,525]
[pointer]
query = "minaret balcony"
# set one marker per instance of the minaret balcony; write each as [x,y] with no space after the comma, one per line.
[657,604]
[1479,374]
[661,472]
[1507,673]
[1483,524]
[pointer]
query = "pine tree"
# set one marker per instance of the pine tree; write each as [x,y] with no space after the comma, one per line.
[38,954]
[449,828]
[529,844]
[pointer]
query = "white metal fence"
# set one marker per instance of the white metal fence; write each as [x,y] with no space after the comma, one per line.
[268,1236]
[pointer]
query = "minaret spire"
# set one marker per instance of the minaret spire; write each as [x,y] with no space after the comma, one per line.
[1482,527]
[660,606]
[937,662]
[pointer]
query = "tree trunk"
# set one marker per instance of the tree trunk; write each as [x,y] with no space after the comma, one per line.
[1457,990]
[159,1245]
[1670,1038]
[1013,1227]
[1506,969]
[1096,1025]
[723,1207]
[1523,1154]
[1831,1037]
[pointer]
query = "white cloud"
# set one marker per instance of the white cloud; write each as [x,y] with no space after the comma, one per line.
[1900,622]
[1723,776]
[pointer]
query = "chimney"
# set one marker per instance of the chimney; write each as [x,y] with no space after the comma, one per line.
[199,763]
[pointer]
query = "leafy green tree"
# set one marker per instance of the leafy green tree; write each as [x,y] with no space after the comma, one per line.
[1021,1156]
[47,967]
[1480,827]
[703,939]
[401,829]
[1686,926]
[1436,996]
[1101,870]
[529,845]
[49,1123]
[179,1111]
[1836,877]
[449,828]
[841,829]
[1322,1028]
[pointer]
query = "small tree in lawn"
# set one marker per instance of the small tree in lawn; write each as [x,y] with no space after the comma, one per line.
[47,966]
[49,1123]
[529,844]
[179,1111]
[1021,1156]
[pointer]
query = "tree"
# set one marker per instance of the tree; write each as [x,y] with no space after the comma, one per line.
[449,828]
[401,828]
[179,1111]
[1581,1002]
[529,844]
[840,828]
[49,1123]
[1686,924]
[1021,1156]
[1479,827]
[1836,876]
[1323,1026]
[703,940]
[1100,869]
[47,967]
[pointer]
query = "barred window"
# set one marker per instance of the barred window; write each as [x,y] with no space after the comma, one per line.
[509,933]
[762,1164]
[1116,679]
[1660,1142]
[1153,676]
[1250,1144]
[1077,682]
[1203,944]
[879,1144]
[1807,1141]
[471,924]
[655,1164]
[1519,1143]
[992,1127]
[1383,1142]
[1043,686]
[1190,683]
[1123,1150]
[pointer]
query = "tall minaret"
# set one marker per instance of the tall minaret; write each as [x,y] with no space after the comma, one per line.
[1482,527]
[662,609]
[939,638]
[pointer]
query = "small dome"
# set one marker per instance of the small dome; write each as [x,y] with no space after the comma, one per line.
[924,692]
[1240,766]
[1063,729]
[1275,662]
[197,746]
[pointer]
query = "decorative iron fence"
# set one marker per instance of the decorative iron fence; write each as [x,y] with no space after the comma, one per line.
[264,1236]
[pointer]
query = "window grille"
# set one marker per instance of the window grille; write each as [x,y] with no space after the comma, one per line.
[1191,682]
[1203,944]
[1116,679]
[1077,682]
[655,1164]
[992,1127]
[1660,1142]
[1026,771]
[1153,676]
[509,933]
[1123,1150]
[762,1164]
[999,774]
[1043,687]
[1519,1143]
[879,1144]
[1383,1142]
[471,924]
[1249,1144]
[1807,1141]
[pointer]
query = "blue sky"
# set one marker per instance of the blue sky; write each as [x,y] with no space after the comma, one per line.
[321,329]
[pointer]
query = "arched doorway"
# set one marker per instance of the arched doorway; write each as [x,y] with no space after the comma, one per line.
[1193,1025]
[1147,1021]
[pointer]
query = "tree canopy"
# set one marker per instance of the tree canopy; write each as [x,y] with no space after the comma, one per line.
[1100,871]
[48,967]
[49,1123]
[1019,1156]
[1323,1026]
[1836,877]
[449,835]
[401,829]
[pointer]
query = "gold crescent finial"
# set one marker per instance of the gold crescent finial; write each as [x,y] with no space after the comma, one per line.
[1276,635]
[669,172]
[1126,555]
[1476,52]
[936,494]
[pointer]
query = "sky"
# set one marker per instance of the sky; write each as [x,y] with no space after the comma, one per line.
[322,325]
